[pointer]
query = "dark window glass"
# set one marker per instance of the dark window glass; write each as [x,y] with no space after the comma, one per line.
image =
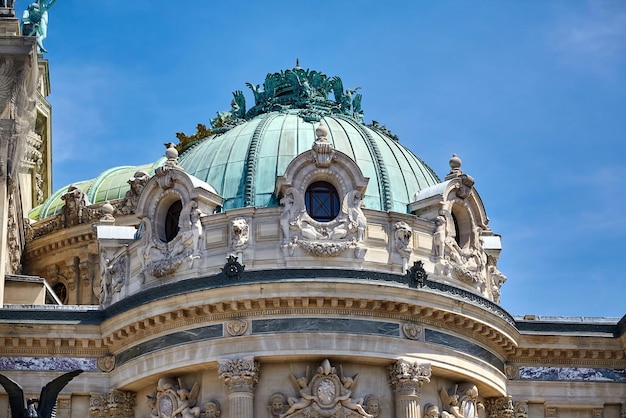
[171,220]
[457,238]
[322,201]
[61,291]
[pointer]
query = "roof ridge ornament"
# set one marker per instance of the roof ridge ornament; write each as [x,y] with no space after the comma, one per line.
[455,167]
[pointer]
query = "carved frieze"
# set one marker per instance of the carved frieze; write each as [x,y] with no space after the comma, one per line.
[326,394]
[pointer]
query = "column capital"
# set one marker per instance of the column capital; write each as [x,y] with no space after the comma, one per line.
[239,375]
[500,407]
[407,378]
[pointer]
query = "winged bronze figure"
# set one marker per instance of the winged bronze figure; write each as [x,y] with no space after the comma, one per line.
[47,399]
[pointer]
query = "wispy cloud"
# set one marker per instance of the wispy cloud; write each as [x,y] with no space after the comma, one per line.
[594,40]
[78,99]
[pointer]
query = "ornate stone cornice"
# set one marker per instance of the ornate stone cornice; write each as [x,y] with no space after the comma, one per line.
[317,306]
[44,346]
[239,375]
[54,242]
[569,356]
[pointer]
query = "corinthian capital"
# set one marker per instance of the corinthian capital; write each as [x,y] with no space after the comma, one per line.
[407,378]
[239,375]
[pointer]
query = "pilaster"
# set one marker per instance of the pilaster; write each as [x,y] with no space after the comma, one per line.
[240,377]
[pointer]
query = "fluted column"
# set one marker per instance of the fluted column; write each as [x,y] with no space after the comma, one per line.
[240,377]
[406,380]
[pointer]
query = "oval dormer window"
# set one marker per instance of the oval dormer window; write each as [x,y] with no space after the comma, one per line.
[322,201]
[171,220]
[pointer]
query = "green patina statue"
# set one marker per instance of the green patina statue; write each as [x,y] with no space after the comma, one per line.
[298,91]
[35,21]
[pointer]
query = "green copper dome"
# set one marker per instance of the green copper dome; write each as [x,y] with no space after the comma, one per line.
[245,150]
[111,184]
[244,162]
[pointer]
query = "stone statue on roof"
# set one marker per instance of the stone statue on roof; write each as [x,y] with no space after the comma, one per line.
[35,21]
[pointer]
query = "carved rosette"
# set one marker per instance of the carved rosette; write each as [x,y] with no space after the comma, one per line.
[98,406]
[521,409]
[500,407]
[412,331]
[239,375]
[237,327]
[407,378]
[550,412]
[106,364]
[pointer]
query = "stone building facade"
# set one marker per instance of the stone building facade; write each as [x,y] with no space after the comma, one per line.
[289,261]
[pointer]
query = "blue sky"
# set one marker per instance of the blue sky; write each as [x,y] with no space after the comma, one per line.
[530,94]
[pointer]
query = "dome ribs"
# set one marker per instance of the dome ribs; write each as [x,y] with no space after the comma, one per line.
[385,181]
[251,161]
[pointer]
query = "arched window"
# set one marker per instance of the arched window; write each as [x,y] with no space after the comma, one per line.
[171,220]
[322,201]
